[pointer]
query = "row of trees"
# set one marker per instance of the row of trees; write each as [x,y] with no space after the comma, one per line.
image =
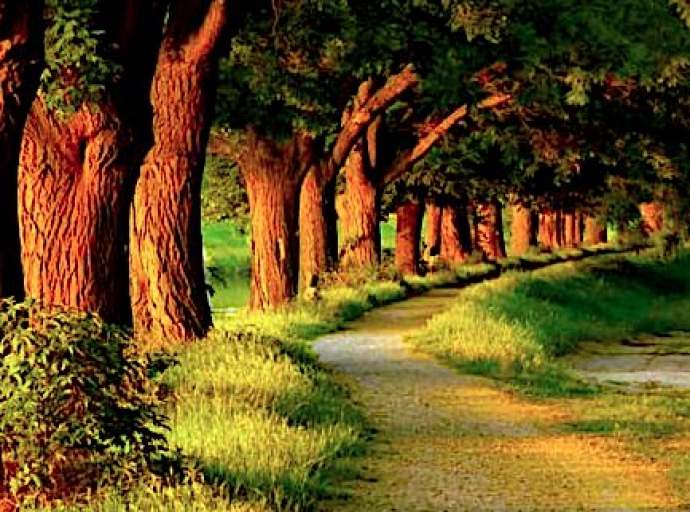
[326,106]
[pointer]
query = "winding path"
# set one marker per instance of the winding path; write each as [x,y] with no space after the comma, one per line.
[449,442]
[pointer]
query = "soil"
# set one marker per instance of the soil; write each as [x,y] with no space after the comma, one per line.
[450,442]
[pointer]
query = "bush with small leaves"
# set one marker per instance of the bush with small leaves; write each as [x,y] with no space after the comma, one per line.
[79,406]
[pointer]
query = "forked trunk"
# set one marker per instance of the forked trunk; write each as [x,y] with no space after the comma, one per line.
[167,284]
[595,231]
[433,229]
[408,237]
[489,231]
[359,216]
[313,231]
[652,218]
[274,173]
[73,198]
[21,61]
[521,229]
[452,249]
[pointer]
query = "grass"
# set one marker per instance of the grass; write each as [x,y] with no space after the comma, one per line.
[516,327]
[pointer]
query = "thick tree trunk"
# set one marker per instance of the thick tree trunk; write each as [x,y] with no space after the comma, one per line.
[489,231]
[521,230]
[313,230]
[274,173]
[595,231]
[21,60]
[408,237]
[168,290]
[452,247]
[652,218]
[358,207]
[72,195]
[433,229]
[549,229]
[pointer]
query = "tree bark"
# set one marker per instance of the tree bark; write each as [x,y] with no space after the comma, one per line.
[358,211]
[521,230]
[452,248]
[489,231]
[21,61]
[76,177]
[571,229]
[408,236]
[433,229]
[652,218]
[548,229]
[313,230]
[595,231]
[168,290]
[273,173]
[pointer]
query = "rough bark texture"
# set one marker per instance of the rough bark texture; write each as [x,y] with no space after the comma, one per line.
[652,218]
[358,211]
[408,237]
[167,284]
[313,229]
[521,229]
[75,182]
[433,229]
[452,249]
[595,231]
[549,229]
[21,60]
[489,231]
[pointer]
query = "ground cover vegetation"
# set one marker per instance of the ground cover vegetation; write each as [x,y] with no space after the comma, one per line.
[315,120]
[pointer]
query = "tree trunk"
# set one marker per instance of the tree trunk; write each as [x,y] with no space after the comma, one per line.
[358,207]
[521,229]
[433,229]
[168,289]
[313,231]
[21,61]
[489,231]
[652,218]
[452,249]
[595,231]
[571,231]
[274,173]
[408,237]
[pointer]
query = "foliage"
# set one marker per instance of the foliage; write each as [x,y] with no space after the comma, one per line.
[223,194]
[79,407]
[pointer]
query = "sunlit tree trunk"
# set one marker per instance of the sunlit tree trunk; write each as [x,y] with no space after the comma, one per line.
[273,172]
[433,228]
[313,229]
[168,290]
[489,230]
[652,218]
[21,61]
[521,229]
[452,248]
[358,211]
[572,233]
[595,231]
[408,236]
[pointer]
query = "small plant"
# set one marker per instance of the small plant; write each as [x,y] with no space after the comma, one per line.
[78,405]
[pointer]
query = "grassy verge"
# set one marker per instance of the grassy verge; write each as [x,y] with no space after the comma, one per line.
[516,327]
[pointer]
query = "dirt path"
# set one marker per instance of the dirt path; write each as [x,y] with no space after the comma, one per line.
[448,442]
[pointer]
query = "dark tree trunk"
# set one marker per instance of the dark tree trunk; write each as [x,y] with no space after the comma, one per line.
[595,231]
[489,231]
[274,173]
[433,229]
[21,61]
[408,237]
[452,248]
[521,229]
[167,284]
[358,211]
[331,223]
[313,229]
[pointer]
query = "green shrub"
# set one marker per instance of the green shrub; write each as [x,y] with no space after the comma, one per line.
[78,405]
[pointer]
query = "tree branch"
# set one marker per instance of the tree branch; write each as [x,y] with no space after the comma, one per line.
[425,143]
[202,43]
[363,115]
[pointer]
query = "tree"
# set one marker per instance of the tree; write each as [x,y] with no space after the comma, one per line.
[21,62]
